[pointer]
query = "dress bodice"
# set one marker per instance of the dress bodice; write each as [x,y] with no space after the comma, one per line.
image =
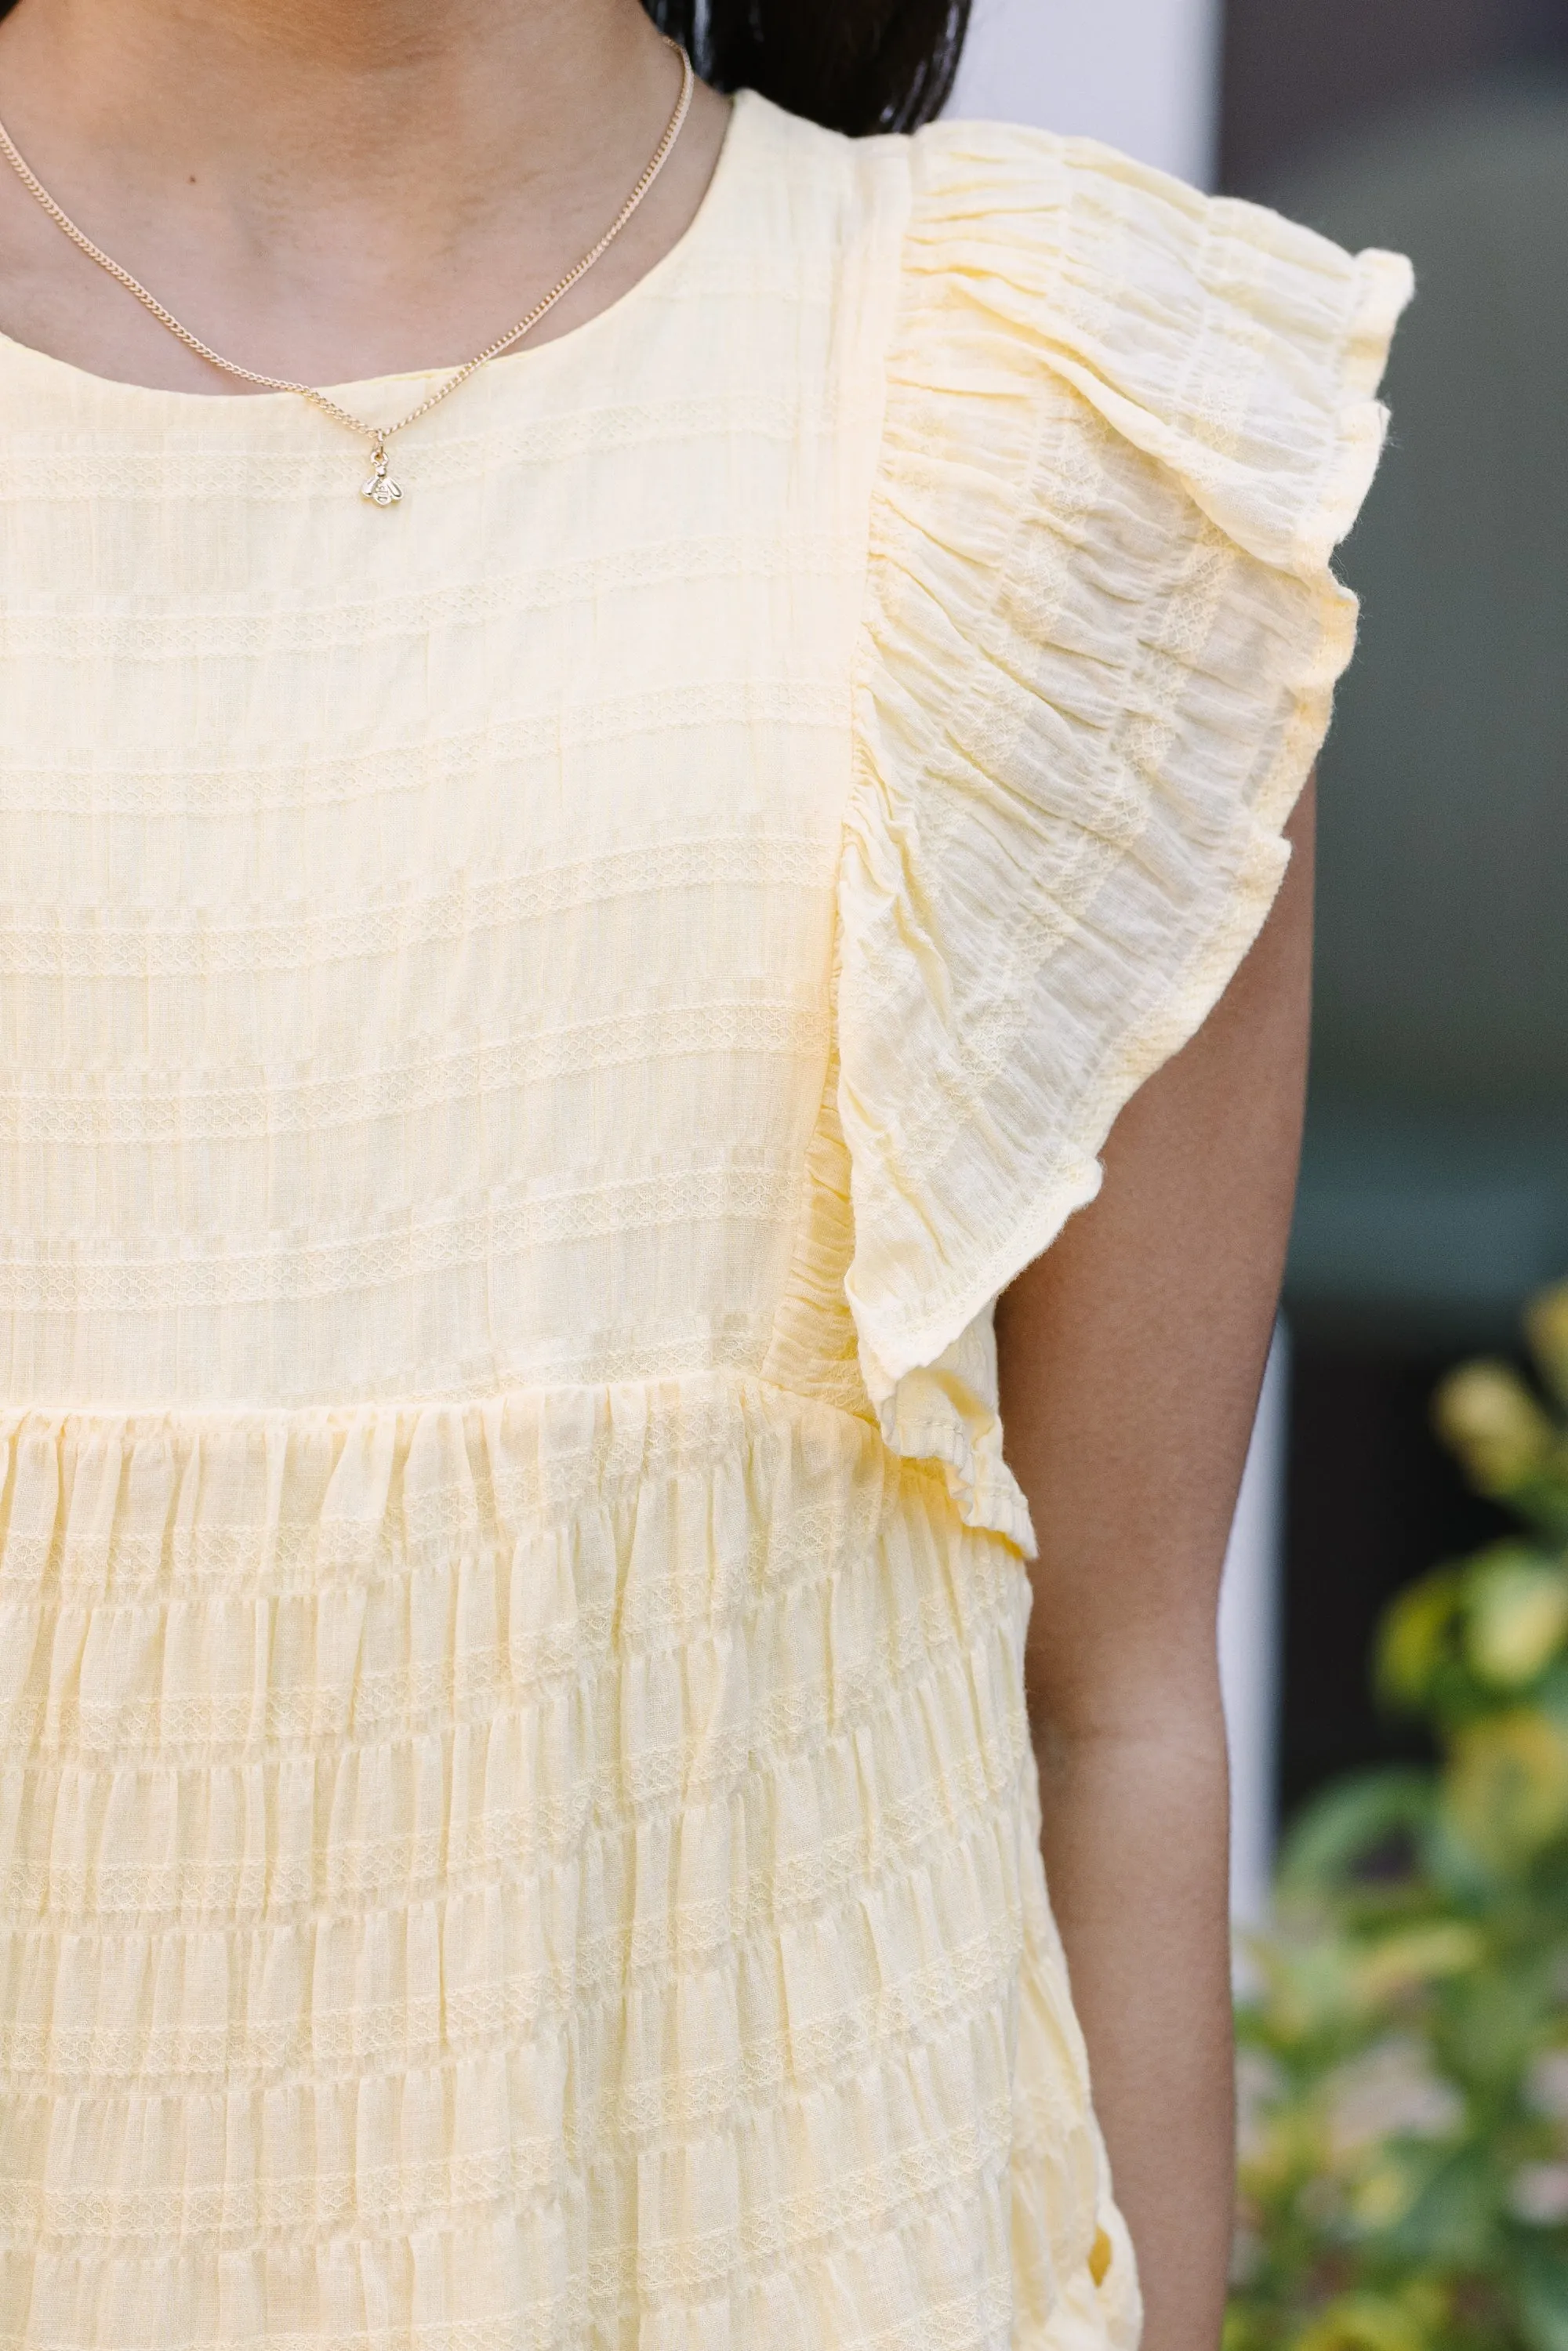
[533,1029]
[415,962]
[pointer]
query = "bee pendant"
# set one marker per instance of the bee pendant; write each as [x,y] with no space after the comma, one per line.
[381,489]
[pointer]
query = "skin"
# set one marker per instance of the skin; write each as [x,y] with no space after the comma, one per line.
[1132,1356]
[329,193]
[334,193]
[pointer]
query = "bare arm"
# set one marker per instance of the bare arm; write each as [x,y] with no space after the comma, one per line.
[1131,1359]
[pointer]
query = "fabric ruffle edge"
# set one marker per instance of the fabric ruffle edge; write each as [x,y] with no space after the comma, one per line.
[1125,425]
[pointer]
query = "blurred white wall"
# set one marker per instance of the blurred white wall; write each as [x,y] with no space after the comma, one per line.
[1249,1639]
[1142,74]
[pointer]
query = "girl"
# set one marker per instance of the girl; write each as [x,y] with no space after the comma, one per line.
[582,905]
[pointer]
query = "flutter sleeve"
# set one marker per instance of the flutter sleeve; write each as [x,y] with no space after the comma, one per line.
[1125,425]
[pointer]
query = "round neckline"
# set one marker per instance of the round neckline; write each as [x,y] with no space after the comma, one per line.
[363,388]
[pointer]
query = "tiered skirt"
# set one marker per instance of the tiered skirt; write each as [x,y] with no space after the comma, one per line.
[559,1871]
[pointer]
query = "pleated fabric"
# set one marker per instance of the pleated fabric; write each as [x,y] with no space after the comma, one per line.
[535,1028]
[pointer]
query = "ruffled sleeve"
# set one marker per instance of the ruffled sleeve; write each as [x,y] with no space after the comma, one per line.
[1125,425]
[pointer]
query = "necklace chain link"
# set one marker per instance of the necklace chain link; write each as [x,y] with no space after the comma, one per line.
[379,489]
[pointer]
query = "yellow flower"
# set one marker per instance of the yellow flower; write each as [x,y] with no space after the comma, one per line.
[1382,2196]
[1516,1616]
[1423,1955]
[1361,2322]
[1415,1637]
[1546,1326]
[1506,1788]
[1488,1415]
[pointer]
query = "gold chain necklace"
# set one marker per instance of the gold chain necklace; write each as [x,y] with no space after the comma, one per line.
[379,487]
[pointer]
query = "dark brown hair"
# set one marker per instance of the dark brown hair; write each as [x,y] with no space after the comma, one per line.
[853,65]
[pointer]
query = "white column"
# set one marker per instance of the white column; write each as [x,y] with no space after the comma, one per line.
[1144,75]
[1250,1650]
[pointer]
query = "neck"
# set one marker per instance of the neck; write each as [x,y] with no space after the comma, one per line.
[296,171]
[354,102]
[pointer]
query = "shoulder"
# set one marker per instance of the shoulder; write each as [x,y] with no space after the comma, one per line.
[1238,349]
[1239,346]
[1124,424]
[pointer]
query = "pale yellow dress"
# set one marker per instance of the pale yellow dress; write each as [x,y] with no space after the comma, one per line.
[533,1029]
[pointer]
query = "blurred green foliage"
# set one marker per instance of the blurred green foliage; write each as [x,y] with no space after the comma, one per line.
[1404,2052]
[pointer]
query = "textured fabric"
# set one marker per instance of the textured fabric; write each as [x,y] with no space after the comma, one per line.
[534,1029]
